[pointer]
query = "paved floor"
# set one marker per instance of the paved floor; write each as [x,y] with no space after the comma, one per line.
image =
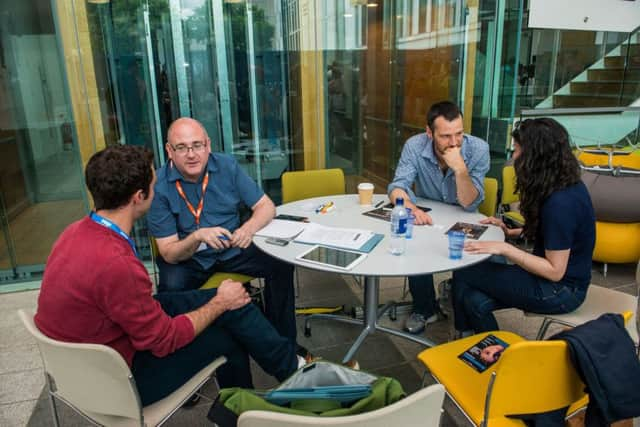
[21,381]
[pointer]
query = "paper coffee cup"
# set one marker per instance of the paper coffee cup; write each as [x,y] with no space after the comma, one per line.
[365,193]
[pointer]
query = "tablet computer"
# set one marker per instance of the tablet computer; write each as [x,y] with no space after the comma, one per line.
[341,259]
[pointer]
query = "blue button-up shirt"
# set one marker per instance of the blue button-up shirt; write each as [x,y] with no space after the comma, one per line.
[229,187]
[418,163]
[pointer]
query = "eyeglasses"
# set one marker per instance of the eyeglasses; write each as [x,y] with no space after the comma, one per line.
[183,149]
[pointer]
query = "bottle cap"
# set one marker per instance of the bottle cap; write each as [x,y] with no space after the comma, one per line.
[400,201]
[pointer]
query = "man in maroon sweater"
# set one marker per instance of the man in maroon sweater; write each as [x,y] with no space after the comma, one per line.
[95,290]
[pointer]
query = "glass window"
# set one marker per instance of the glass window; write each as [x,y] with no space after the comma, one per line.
[41,189]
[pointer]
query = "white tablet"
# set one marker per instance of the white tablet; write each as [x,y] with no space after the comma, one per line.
[341,259]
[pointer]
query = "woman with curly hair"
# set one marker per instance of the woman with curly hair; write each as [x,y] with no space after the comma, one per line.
[559,218]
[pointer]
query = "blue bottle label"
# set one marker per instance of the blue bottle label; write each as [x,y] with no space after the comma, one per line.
[402,226]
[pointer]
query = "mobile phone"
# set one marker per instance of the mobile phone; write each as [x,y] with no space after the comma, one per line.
[277,241]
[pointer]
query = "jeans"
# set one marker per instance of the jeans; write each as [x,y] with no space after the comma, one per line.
[279,293]
[235,334]
[423,294]
[482,288]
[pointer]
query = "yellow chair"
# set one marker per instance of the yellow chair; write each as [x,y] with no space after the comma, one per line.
[216,278]
[606,158]
[312,183]
[301,185]
[530,377]
[617,242]
[490,202]
[509,195]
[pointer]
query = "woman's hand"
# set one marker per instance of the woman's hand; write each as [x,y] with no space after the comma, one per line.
[509,232]
[495,221]
[492,247]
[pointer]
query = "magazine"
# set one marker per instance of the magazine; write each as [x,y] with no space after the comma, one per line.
[484,353]
[471,231]
[384,212]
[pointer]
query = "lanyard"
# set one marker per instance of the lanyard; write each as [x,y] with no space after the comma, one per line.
[195,212]
[113,227]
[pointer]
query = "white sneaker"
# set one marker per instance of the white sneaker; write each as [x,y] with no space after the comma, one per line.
[416,322]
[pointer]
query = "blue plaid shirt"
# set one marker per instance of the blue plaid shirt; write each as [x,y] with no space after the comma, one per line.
[418,163]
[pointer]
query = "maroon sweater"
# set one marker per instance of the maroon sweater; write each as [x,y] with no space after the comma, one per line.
[96,291]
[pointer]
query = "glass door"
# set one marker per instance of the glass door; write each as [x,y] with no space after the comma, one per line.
[40,172]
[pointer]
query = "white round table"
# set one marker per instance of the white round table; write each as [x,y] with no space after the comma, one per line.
[426,253]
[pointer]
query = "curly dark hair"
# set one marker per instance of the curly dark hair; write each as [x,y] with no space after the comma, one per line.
[545,164]
[114,174]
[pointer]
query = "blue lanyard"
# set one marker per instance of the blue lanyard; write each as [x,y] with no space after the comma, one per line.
[111,226]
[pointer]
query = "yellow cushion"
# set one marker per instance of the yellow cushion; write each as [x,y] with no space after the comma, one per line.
[464,384]
[617,242]
[217,278]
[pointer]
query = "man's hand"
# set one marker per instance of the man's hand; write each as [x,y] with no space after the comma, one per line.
[422,218]
[241,238]
[453,158]
[231,295]
[211,236]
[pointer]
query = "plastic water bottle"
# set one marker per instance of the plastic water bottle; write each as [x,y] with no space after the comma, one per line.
[398,228]
[411,218]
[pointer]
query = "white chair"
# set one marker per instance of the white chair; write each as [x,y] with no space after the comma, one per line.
[598,301]
[423,408]
[95,381]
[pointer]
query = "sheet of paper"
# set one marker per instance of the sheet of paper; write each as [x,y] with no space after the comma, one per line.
[348,238]
[282,229]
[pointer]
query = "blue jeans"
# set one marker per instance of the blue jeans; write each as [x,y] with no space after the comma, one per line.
[423,294]
[279,294]
[235,334]
[482,288]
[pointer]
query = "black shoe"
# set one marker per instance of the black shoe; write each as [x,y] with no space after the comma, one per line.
[192,401]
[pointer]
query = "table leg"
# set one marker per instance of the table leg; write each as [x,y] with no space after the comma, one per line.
[371,288]
[370,321]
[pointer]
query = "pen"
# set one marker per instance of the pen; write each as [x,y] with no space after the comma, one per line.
[356,238]
[319,208]
[324,208]
[223,237]
[379,204]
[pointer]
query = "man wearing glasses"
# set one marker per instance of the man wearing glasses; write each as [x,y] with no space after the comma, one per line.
[195,219]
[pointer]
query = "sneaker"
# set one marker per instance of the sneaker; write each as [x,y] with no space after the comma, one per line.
[416,322]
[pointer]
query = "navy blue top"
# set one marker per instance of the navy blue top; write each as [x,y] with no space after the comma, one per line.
[229,187]
[567,221]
